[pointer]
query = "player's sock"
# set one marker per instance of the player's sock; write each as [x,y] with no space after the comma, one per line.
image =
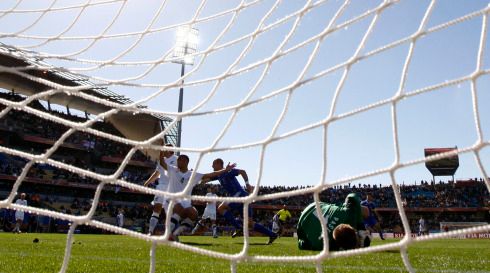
[215,231]
[174,222]
[260,228]
[185,225]
[229,217]
[197,227]
[17,227]
[153,221]
[381,235]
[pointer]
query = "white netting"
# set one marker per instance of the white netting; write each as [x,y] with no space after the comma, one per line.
[129,49]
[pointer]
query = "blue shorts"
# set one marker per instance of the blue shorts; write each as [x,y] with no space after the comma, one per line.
[238,207]
[370,221]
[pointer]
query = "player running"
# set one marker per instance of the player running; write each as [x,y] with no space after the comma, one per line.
[230,183]
[160,201]
[372,221]
[184,214]
[280,220]
[209,215]
[19,215]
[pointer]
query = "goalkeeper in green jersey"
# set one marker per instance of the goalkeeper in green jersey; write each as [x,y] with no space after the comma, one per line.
[345,226]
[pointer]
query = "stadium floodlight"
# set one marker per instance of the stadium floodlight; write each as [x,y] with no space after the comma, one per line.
[185,46]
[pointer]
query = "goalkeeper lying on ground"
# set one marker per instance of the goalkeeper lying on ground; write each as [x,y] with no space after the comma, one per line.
[345,226]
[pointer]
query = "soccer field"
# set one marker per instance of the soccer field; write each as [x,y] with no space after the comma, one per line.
[115,253]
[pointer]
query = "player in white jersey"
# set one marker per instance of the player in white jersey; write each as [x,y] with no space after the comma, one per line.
[422,227]
[120,218]
[179,177]
[160,201]
[19,215]
[209,215]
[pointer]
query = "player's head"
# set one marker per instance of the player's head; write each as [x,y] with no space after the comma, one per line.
[168,153]
[218,164]
[183,162]
[352,200]
[284,206]
[369,196]
[345,237]
[22,196]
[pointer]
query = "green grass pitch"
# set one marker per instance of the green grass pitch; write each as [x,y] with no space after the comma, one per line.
[115,253]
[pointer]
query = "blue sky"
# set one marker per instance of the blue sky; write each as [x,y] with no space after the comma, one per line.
[355,145]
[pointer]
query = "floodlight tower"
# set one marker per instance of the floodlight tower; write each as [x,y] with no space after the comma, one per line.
[185,46]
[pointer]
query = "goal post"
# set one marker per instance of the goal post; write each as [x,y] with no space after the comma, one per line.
[278,86]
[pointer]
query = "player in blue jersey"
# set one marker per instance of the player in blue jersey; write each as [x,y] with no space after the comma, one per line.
[230,183]
[372,221]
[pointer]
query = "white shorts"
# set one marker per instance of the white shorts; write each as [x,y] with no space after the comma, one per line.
[160,199]
[209,214]
[19,215]
[185,203]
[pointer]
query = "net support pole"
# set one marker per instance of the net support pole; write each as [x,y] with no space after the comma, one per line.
[153,257]
[181,102]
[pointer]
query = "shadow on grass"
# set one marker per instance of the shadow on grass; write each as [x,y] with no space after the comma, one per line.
[198,244]
[252,244]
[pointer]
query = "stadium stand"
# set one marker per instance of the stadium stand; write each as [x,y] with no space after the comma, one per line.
[59,190]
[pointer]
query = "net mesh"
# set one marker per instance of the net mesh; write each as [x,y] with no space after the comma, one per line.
[120,45]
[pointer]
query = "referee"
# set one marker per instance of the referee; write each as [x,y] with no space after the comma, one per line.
[284,216]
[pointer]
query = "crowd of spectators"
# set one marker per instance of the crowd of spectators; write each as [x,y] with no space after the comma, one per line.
[31,125]
[461,194]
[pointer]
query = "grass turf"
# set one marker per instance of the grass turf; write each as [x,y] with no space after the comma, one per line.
[115,253]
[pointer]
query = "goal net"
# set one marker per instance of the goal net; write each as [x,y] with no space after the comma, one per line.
[322,94]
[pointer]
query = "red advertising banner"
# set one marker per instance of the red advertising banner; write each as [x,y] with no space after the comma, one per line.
[483,235]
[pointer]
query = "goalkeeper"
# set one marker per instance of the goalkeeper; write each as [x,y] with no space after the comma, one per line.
[345,226]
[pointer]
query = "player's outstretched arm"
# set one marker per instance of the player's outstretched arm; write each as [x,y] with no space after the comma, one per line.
[151,179]
[244,175]
[210,176]
[206,180]
[162,161]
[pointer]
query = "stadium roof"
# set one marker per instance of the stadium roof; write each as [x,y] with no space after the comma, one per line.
[136,127]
